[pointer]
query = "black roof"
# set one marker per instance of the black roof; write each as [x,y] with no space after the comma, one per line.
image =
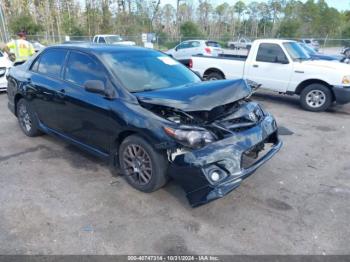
[88,46]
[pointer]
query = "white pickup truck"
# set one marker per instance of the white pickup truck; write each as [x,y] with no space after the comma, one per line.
[283,66]
[5,65]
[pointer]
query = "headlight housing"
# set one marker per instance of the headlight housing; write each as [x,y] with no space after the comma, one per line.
[193,137]
[346,80]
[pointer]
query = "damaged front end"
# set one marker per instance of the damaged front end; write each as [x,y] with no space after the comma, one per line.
[218,145]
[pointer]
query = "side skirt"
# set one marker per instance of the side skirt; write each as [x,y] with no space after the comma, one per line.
[75,142]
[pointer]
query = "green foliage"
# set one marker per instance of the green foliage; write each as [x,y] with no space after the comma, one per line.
[25,23]
[289,28]
[190,29]
[219,20]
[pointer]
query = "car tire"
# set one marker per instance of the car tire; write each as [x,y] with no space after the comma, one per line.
[316,98]
[27,120]
[144,168]
[214,76]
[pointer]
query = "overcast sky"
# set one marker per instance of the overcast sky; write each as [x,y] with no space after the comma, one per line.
[339,4]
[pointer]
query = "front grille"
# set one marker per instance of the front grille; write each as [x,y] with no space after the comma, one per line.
[239,124]
[254,154]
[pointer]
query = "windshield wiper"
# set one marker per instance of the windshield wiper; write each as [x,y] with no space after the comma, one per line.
[143,90]
[302,59]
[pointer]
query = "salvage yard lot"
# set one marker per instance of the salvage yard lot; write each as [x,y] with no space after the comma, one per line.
[56,199]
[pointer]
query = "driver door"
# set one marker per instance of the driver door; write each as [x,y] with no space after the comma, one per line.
[271,68]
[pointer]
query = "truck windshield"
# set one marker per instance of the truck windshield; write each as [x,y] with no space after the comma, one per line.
[308,49]
[113,39]
[144,70]
[295,51]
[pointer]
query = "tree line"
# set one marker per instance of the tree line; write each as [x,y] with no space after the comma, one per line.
[183,18]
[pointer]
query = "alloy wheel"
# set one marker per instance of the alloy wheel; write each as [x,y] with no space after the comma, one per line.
[137,164]
[24,118]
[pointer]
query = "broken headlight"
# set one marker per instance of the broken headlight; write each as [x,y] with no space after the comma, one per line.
[190,136]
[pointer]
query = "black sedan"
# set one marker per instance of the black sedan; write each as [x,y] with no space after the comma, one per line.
[150,116]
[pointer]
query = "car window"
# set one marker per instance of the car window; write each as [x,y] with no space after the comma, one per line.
[213,44]
[101,40]
[242,40]
[35,65]
[307,41]
[1,55]
[51,62]
[270,53]
[184,45]
[194,44]
[81,68]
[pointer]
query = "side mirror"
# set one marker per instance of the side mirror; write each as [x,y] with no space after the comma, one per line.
[95,86]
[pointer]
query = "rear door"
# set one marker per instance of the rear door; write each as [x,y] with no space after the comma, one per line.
[271,68]
[45,85]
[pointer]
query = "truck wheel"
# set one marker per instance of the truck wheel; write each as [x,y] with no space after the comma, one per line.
[214,76]
[26,119]
[144,168]
[316,98]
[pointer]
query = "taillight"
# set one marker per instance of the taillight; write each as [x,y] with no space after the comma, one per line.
[207,50]
[190,63]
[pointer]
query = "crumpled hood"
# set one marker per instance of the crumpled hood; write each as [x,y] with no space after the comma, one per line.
[202,96]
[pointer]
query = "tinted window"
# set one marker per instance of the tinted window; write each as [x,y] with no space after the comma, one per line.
[194,44]
[184,45]
[35,66]
[213,44]
[148,70]
[1,55]
[101,40]
[51,62]
[271,53]
[81,68]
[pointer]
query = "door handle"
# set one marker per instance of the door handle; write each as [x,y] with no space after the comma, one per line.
[255,65]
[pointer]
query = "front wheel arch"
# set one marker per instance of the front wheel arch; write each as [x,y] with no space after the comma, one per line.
[119,140]
[308,82]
